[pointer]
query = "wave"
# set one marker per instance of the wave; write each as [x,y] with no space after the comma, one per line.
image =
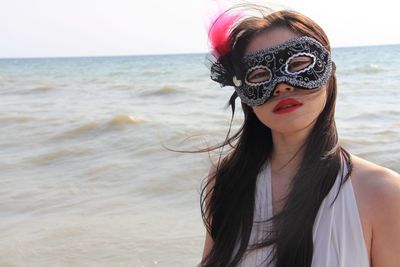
[122,87]
[43,88]
[124,119]
[152,73]
[350,141]
[367,69]
[81,130]
[365,116]
[7,79]
[55,155]
[17,118]
[393,132]
[117,73]
[166,90]
[98,128]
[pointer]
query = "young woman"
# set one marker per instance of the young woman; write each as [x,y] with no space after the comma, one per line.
[287,194]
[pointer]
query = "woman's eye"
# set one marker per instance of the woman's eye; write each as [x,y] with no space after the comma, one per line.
[259,75]
[299,63]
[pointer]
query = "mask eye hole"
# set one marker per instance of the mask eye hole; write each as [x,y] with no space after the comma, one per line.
[300,63]
[259,75]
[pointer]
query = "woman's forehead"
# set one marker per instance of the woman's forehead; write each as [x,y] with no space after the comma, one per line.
[270,38]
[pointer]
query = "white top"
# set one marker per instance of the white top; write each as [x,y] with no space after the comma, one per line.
[337,232]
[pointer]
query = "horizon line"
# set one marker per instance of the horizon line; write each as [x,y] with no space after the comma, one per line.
[161,54]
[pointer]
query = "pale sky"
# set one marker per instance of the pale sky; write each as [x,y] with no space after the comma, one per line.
[52,28]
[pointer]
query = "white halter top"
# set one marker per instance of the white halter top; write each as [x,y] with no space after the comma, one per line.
[337,231]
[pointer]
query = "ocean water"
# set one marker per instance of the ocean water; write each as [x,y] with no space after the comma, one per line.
[86,179]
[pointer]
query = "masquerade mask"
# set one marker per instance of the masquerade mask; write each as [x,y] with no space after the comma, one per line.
[301,62]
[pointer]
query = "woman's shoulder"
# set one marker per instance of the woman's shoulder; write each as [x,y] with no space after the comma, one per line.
[375,180]
[377,191]
[379,186]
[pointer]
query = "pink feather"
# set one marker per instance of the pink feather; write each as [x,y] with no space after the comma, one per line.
[218,33]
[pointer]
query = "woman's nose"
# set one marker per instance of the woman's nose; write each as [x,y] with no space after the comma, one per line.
[282,88]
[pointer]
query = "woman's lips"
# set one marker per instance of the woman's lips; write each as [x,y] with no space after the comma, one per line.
[286,105]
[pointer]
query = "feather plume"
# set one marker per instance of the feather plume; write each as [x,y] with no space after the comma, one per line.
[218,33]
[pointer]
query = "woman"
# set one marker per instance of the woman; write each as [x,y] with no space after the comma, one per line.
[288,194]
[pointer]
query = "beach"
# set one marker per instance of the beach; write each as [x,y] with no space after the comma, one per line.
[86,179]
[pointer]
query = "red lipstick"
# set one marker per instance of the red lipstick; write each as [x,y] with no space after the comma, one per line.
[286,105]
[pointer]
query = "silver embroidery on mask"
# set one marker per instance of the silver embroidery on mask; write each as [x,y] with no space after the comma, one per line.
[312,77]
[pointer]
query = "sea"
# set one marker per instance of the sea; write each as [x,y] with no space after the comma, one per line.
[89,175]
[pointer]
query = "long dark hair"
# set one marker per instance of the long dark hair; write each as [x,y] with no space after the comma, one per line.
[228,203]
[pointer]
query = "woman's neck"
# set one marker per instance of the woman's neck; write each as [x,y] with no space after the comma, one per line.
[288,151]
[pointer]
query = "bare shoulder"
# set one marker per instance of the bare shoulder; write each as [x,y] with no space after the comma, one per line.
[379,193]
[378,187]
[375,179]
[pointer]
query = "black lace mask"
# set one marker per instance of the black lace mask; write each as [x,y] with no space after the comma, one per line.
[301,62]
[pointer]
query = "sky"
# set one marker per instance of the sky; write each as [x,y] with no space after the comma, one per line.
[65,28]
